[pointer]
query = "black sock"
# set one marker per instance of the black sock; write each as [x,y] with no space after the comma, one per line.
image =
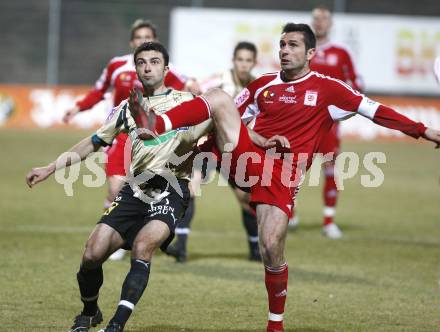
[134,285]
[251,226]
[90,281]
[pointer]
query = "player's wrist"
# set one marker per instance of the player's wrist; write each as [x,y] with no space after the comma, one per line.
[51,167]
[422,129]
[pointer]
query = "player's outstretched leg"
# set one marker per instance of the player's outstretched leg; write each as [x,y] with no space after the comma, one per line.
[272,228]
[215,104]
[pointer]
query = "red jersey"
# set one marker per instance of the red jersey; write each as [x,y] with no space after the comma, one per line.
[120,75]
[336,61]
[304,110]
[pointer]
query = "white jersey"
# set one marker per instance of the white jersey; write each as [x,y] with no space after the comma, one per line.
[227,81]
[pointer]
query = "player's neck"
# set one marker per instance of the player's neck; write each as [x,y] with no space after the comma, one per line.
[151,91]
[293,75]
[322,40]
[243,81]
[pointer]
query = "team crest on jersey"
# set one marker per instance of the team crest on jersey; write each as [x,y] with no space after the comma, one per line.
[310,98]
[332,59]
[242,97]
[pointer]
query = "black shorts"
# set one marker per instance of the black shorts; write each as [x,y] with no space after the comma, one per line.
[128,213]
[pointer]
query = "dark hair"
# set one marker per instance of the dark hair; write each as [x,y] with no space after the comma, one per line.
[244,45]
[141,23]
[309,36]
[153,46]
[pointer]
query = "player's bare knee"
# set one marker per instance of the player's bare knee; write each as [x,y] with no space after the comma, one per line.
[219,101]
[91,257]
[143,250]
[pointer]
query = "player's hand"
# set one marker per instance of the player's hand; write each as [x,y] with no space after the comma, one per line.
[281,143]
[433,136]
[37,175]
[68,116]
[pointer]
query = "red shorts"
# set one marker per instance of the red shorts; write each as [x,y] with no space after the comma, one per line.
[274,186]
[115,156]
[331,142]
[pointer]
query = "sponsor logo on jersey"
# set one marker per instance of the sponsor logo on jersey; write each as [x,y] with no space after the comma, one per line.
[268,96]
[310,98]
[287,99]
[182,129]
[242,97]
[125,77]
[112,113]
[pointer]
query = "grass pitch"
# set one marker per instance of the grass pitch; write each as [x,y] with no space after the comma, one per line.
[384,275]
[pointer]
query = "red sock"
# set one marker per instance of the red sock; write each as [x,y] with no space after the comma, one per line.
[188,113]
[330,194]
[276,286]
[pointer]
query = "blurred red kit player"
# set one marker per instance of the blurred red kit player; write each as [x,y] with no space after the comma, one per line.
[332,60]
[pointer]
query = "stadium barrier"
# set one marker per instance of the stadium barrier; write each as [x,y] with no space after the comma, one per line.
[39,106]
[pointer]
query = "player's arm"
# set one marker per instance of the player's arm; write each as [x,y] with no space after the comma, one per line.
[346,103]
[175,80]
[351,75]
[82,150]
[385,116]
[116,122]
[94,96]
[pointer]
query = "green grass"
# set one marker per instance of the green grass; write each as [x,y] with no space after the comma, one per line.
[384,275]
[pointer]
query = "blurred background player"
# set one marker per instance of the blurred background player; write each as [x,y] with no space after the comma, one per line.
[120,77]
[332,60]
[232,81]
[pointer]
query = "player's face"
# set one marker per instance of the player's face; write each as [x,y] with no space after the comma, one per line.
[151,69]
[321,22]
[140,36]
[293,54]
[244,61]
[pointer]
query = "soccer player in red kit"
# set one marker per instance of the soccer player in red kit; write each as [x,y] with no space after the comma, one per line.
[120,76]
[332,60]
[294,109]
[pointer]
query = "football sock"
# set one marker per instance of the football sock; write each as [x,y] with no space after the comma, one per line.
[328,212]
[134,285]
[189,113]
[330,194]
[251,226]
[276,286]
[89,282]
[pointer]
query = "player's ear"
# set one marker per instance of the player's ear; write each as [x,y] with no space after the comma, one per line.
[310,53]
[166,69]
